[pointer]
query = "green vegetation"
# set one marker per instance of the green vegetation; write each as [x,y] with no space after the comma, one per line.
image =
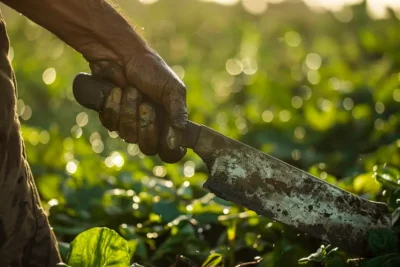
[307,88]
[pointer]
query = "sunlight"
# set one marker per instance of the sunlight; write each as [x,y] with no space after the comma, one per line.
[71,167]
[377,9]
[223,2]
[49,76]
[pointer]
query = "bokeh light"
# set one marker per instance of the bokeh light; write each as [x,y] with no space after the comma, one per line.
[49,76]
[71,166]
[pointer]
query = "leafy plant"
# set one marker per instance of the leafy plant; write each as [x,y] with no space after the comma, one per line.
[99,247]
[214,260]
[320,91]
[322,255]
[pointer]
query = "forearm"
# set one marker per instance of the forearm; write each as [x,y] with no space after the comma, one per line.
[101,34]
[92,27]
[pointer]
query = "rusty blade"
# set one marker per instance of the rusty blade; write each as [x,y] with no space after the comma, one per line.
[279,191]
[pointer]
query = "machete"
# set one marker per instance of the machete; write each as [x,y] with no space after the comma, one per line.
[272,188]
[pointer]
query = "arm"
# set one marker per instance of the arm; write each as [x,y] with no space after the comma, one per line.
[102,35]
[92,27]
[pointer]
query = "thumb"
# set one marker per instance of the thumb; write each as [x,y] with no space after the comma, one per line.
[175,105]
[174,101]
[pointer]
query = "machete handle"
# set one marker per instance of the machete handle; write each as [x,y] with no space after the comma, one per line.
[91,92]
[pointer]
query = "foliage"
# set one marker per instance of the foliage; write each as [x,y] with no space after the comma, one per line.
[382,241]
[320,91]
[99,247]
[213,260]
[322,255]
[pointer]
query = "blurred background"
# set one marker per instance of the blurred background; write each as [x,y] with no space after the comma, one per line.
[315,83]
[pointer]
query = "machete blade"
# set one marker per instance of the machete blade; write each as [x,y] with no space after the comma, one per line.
[279,191]
[272,188]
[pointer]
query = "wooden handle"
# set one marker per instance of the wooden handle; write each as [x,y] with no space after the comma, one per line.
[91,93]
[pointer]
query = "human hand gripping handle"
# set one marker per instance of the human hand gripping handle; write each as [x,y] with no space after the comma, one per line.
[92,93]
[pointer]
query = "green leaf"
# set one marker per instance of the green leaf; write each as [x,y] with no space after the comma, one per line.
[388,176]
[318,256]
[99,247]
[213,260]
[382,241]
[303,261]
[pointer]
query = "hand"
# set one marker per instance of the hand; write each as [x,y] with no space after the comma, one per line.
[102,35]
[138,121]
[152,77]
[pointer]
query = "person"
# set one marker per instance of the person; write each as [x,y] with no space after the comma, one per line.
[114,51]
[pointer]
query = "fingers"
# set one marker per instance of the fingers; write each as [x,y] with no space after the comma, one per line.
[174,100]
[109,117]
[175,104]
[139,123]
[171,156]
[148,130]
[157,81]
[135,121]
[128,121]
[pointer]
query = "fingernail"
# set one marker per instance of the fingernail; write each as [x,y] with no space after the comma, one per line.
[132,94]
[116,95]
[174,137]
[147,115]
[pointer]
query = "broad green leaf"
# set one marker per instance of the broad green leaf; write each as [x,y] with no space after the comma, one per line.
[99,247]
